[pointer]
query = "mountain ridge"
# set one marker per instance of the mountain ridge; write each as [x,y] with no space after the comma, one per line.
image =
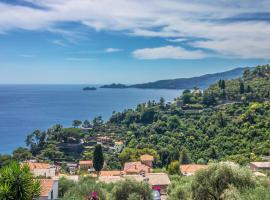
[202,81]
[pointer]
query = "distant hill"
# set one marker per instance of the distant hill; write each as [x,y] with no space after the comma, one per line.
[185,83]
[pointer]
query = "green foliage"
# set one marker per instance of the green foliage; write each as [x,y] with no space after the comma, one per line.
[84,188]
[214,181]
[17,183]
[76,123]
[98,159]
[130,189]
[180,188]
[5,160]
[184,157]
[64,186]
[21,154]
[133,154]
[174,167]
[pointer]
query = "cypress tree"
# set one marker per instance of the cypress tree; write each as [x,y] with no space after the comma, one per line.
[98,159]
[184,157]
[242,87]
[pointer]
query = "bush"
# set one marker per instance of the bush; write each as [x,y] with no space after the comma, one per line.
[214,181]
[130,189]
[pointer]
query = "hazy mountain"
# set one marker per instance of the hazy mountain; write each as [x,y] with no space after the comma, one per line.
[185,83]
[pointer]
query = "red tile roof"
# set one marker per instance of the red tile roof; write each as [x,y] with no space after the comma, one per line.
[33,165]
[85,162]
[265,165]
[46,187]
[111,173]
[136,167]
[191,168]
[147,157]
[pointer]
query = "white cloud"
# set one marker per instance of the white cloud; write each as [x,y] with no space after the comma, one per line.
[112,50]
[168,52]
[176,40]
[207,20]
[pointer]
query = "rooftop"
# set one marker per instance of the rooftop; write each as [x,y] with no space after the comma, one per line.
[136,167]
[46,187]
[35,165]
[261,164]
[85,162]
[147,157]
[191,168]
[154,179]
[111,173]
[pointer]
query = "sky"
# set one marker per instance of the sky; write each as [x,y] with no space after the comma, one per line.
[128,41]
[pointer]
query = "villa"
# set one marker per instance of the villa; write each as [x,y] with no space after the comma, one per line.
[42,169]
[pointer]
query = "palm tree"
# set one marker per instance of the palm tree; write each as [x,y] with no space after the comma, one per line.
[18,183]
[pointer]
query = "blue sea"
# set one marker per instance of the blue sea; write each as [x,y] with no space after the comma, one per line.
[25,108]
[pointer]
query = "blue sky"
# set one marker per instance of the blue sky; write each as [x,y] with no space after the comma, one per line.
[128,41]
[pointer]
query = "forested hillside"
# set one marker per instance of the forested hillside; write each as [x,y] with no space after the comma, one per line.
[228,121]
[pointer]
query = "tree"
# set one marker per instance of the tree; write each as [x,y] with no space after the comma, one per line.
[184,157]
[5,160]
[162,103]
[86,124]
[174,167]
[98,159]
[222,85]
[18,183]
[129,189]
[21,154]
[241,87]
[36,141]
[76,123]
[65,185]
[213,182]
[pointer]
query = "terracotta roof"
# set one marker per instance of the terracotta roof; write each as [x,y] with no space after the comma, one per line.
[261,164]
[85,162]
[136,167]
[191,168]
[154,179]
[46,187]
[147,157]
[111,173]
[33,165]
[158,179]
[118,143]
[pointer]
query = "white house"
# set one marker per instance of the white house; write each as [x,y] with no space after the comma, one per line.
[118,146]
[42,169]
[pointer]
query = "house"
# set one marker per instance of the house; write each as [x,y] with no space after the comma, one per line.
[71,168]
[42,169]
[105,140]
[136,168]
[86,165]
[158,181]
[147,160]
[118,146]
[260,166]
[49,189]
[112,173]
[191,169]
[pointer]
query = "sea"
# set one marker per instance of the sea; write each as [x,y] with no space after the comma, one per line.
[25,108]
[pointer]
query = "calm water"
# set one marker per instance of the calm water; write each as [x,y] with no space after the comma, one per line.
[24,108]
